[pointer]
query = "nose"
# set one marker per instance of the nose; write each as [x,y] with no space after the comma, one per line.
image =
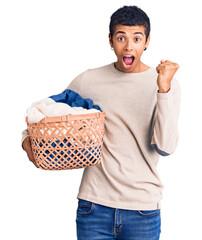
[129,46]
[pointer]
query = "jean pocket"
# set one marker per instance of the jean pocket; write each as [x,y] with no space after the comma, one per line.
[84,207]
[149,213]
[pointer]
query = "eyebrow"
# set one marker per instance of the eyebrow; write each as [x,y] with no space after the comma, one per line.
[124,32]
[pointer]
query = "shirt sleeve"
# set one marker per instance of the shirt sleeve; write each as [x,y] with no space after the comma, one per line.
[76,84]
[25,134]
[165,134]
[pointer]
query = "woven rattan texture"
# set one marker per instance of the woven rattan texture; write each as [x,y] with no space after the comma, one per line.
[68,142]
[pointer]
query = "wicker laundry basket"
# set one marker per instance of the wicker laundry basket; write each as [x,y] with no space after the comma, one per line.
[67,142]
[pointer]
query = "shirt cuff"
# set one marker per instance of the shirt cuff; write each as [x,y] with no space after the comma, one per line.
[163,95]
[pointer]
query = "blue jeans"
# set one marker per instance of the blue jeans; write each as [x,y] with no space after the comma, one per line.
[98,222]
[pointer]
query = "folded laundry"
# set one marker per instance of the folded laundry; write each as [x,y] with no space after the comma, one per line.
[73,99]
[68,102]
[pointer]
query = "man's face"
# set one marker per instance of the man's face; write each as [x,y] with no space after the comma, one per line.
[129,43]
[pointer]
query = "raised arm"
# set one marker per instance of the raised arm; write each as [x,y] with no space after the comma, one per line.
[165,126]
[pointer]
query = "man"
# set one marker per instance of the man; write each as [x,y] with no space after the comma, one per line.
[120,198]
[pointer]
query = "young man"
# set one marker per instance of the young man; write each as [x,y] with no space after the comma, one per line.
[120,198]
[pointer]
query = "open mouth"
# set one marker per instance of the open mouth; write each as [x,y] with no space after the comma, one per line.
[128,61]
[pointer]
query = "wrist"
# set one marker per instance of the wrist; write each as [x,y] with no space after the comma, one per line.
[163,90]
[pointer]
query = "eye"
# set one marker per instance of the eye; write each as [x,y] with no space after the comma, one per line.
[137,39]
[119,38]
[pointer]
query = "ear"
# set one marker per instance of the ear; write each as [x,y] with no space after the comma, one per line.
[147,43]
[110,40]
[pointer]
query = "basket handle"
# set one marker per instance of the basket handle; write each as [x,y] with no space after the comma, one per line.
[70,117]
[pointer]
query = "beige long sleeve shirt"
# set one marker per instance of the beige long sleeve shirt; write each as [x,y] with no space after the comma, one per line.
[141,125]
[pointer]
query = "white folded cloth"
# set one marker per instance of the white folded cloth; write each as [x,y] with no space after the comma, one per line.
[47,107]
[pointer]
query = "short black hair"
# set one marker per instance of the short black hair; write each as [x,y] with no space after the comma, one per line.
[129,16]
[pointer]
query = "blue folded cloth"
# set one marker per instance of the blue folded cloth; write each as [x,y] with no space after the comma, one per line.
[73,99]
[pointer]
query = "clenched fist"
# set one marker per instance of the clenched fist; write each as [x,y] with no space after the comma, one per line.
[166,70]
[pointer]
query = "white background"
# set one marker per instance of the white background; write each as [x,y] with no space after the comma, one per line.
[43,46]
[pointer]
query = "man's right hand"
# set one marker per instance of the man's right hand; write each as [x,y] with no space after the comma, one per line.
[26,145]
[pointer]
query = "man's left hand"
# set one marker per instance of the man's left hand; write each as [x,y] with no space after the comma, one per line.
[166,70]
